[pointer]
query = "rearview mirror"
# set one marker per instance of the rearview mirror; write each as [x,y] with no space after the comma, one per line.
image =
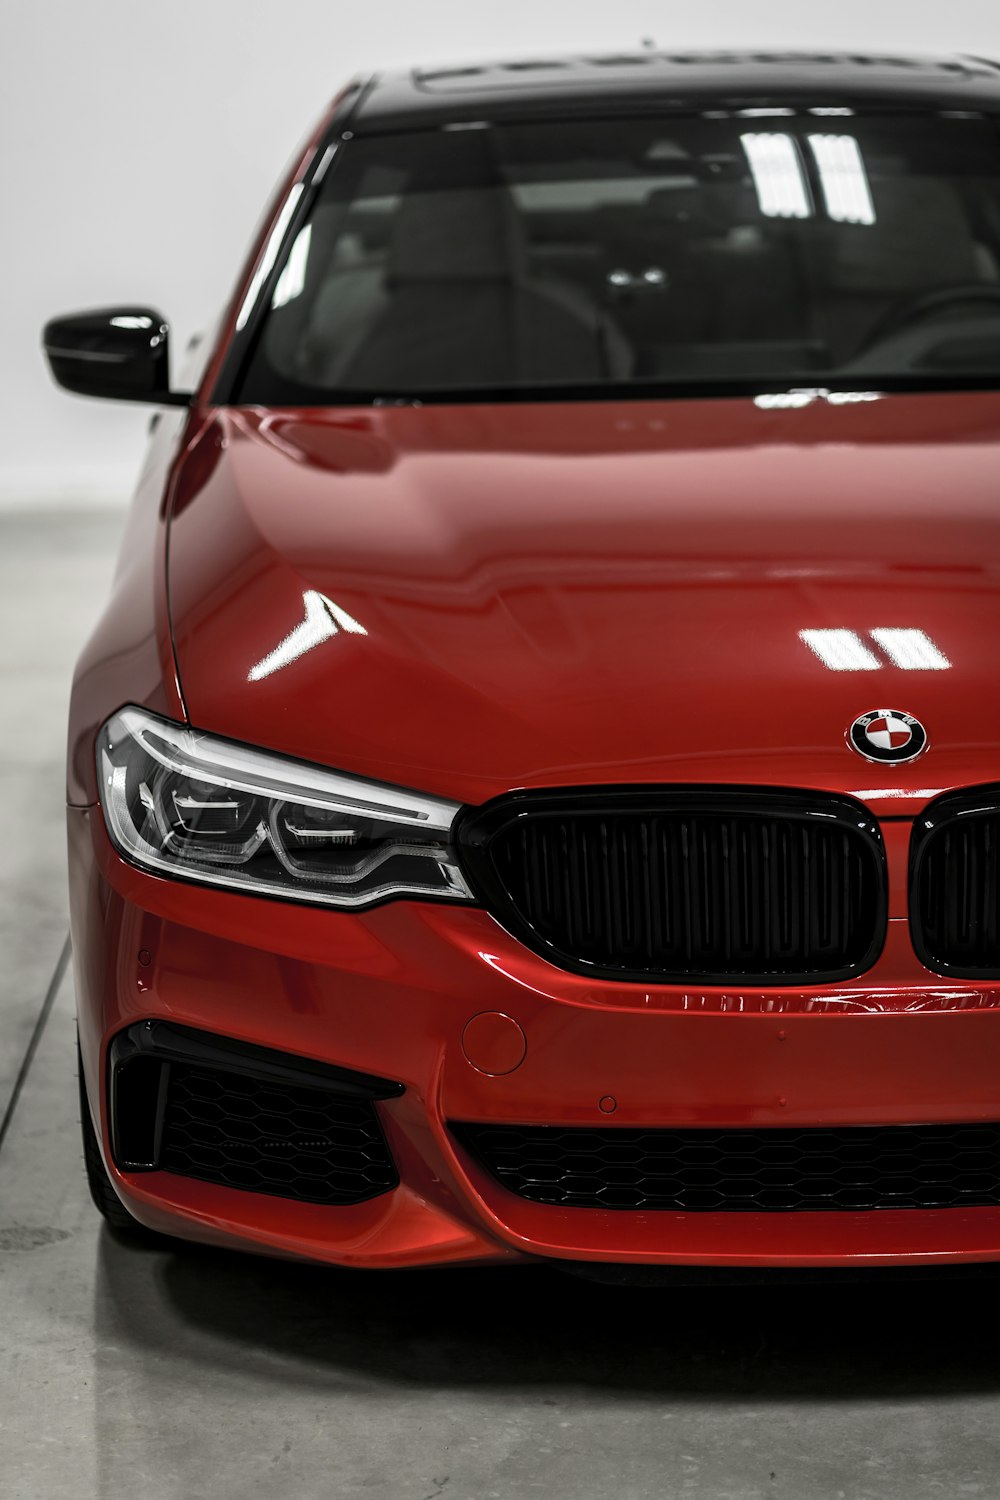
[120,353]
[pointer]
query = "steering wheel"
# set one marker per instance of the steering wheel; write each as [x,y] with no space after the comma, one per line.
[925,304]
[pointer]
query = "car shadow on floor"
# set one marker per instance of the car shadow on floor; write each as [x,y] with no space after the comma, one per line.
[531,1327]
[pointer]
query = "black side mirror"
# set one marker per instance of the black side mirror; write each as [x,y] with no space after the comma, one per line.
[121,353]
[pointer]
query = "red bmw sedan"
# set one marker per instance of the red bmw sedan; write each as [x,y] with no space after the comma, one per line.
[534,790]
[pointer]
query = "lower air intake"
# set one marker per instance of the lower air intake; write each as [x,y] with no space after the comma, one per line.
[748,1171]
[287,1141]
[244,1117]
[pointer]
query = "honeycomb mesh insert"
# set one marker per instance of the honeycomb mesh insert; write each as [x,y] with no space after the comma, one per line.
[754,1171]
[273,1137]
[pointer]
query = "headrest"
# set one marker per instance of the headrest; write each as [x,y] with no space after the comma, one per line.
[920,239]
[464,234]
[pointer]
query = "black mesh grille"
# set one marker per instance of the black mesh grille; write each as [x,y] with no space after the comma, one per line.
[272,1136]
[707,884]
[955,885]
[753,1171]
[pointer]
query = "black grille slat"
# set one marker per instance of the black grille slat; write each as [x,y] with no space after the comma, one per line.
[854,1168]
[955,884]
[274,1137]
[677,884]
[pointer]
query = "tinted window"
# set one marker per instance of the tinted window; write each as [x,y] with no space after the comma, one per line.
[719,248]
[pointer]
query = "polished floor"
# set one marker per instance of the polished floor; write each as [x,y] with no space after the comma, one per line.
[163,1371]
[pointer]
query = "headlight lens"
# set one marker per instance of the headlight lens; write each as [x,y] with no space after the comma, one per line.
[185,804]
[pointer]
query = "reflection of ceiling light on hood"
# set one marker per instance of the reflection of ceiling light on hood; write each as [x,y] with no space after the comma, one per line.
[851,398]
[795,400]
[912,650]
[786,400]
[845,651]
[841,650]
[322,621]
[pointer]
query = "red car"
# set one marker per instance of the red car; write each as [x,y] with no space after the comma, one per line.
[534,790]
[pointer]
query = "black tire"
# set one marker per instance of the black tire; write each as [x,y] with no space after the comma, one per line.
[106,1200]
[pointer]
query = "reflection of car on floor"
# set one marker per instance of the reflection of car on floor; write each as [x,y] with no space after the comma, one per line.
[535,787]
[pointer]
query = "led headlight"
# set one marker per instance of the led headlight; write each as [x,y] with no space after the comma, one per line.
[187,805]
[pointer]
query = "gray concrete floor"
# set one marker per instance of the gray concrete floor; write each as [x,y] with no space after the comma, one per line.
[55,571]
[166,1371]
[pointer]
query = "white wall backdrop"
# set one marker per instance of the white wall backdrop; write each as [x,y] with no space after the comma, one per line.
[139,141]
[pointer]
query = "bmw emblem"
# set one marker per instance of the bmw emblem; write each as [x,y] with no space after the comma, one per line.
[887,734]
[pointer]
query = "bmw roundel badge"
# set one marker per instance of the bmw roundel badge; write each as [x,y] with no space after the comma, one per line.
[888,734]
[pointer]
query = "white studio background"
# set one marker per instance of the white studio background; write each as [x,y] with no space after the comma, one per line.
[139,143]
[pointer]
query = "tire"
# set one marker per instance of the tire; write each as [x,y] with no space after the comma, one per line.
[106,1200]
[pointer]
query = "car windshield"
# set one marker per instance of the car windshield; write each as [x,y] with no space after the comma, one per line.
[748,247]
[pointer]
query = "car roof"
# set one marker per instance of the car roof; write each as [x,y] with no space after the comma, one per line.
[551,86]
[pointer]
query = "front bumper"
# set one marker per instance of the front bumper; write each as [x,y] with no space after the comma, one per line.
[392,992]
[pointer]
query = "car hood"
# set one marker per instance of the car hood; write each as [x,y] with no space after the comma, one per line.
[468,599]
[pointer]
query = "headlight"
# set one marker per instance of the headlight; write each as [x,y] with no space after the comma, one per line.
[183,804]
